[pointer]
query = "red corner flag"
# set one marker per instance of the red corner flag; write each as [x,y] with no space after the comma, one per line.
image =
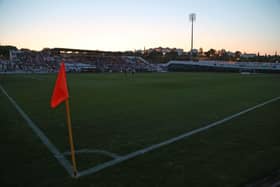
[60,92]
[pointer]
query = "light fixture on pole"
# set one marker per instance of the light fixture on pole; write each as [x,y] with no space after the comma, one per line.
[192,17]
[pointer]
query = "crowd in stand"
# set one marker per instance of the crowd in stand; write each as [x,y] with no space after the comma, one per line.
[45,61]
[29,62]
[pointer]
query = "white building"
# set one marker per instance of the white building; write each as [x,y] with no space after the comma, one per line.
[251,55]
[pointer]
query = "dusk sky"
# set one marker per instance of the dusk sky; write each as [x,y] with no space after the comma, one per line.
[246,25]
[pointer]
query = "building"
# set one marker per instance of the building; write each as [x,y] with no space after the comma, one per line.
[165,50]
[249,55]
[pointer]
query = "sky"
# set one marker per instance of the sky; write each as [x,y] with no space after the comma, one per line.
[247,25]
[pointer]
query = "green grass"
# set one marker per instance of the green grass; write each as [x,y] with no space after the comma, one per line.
[123,114]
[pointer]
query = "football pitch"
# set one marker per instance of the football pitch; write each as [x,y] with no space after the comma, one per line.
[142,129]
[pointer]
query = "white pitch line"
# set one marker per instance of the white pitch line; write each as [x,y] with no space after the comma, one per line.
[56,153]
[169,141]
[118,159]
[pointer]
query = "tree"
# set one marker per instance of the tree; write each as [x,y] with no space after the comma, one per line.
[155,56]
[5,50]
[237,54]
[171,55]
[200,52]
[211,53]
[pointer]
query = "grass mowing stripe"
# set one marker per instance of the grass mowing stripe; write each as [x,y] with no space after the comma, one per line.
[57,154]
[172,140]
[34,78]
[93,151]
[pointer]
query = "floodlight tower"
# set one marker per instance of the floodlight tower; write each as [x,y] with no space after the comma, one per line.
[192,17]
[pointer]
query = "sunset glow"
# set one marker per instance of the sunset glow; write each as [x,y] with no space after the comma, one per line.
[248,26]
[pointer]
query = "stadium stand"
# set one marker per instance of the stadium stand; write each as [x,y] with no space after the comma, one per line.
[221,66]
[47,61]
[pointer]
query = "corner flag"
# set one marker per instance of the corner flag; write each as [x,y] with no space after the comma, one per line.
[60,94]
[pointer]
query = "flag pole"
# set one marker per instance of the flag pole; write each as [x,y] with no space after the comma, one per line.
[71,137]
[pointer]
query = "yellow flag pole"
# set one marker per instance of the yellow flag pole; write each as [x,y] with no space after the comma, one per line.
[71,137]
